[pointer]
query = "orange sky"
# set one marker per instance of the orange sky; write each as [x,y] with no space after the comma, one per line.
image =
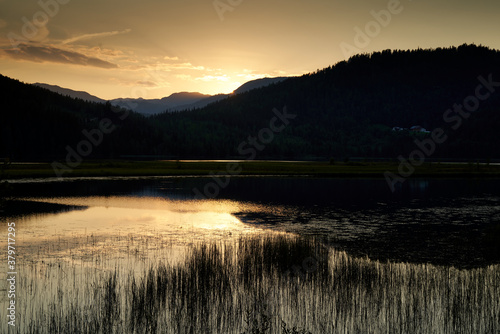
[153,48]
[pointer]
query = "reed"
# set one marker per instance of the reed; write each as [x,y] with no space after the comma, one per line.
[270,284]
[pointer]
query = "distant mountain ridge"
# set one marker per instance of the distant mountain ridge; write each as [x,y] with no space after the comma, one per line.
[175,102]
[71,93]
[258,83]
[157,106]
[246,87]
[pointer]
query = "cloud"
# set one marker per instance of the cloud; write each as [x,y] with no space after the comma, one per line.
[146,83]
[184,66]
[173,64]
[253,76]
[213,78]
[40,54]
[100,34]
[183,76]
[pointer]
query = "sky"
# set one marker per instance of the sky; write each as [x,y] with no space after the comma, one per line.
[153,48]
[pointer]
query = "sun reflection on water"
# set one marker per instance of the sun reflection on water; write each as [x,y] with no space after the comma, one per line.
[116,229]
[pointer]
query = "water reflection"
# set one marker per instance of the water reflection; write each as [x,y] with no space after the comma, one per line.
[71,234]
[109,224]
[418,185]
[428,220]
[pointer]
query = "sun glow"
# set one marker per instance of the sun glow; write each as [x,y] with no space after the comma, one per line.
[150,216]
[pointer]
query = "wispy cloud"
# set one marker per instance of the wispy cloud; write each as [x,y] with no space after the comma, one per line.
[40,54]
[253,75]
[95,35]
[146,83]
[185,66]
[171,58]
[183,76]
[213,78]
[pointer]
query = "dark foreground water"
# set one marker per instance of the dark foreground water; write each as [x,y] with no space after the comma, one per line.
[439,221]
[142,255]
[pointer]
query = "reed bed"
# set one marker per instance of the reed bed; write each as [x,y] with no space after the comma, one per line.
[266,284]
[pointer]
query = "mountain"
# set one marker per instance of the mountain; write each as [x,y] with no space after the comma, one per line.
[345,110]
[179,99]
[350,109]
[254,84]
[156,106]
[258,83]
[186,101]
[175,102]
[37,124]
[140,105]
[201,103]
[72,93]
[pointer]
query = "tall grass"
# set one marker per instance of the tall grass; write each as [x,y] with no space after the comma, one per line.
[272,284]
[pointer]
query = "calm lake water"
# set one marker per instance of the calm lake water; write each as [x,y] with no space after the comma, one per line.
[441,221]
[390,265]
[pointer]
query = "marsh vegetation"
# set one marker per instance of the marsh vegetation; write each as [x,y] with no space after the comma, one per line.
[276,283]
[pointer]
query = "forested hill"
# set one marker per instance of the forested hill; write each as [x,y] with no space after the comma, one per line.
[346,110]
[37,124]
[350,109]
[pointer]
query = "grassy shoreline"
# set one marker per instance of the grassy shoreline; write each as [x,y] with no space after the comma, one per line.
[248,168]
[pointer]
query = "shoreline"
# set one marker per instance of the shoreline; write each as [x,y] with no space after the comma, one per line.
[186,168]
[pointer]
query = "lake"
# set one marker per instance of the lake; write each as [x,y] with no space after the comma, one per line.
[109,237]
